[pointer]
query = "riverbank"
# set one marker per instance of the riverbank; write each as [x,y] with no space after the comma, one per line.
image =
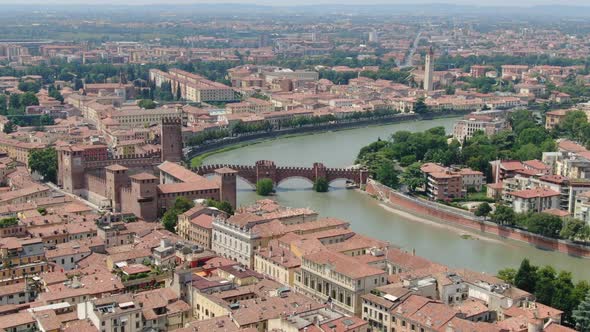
[462,220]
[462,232]
[199,153]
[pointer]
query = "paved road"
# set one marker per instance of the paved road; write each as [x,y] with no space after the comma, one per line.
[408,60]
[78,198]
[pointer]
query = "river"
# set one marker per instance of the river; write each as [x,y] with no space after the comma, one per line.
[480,252]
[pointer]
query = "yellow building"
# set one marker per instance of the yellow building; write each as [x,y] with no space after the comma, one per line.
[277,263]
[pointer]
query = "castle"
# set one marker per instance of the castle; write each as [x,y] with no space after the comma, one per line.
[144,185]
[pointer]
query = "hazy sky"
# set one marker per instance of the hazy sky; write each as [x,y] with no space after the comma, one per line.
[308,2]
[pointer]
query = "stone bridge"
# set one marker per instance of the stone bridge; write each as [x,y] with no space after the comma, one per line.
[267,169]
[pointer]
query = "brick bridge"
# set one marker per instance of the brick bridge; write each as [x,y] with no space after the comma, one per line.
[267,169]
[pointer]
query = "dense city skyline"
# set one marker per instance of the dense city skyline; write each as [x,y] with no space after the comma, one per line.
[312,166]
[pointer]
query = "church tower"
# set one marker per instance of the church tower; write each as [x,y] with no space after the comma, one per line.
[429,70]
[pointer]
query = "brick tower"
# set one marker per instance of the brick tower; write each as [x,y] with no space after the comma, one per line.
[228,185]
[70,164]
[171,139]
[144,193]
[116,179]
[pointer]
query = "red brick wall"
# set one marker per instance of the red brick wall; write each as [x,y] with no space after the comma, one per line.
[405,203]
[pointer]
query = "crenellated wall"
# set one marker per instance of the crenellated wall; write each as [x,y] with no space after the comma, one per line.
[267,169]
[96,183]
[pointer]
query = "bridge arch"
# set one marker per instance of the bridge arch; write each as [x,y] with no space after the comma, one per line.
[268,169]
[295,177]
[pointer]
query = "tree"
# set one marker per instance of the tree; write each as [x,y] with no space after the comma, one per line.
[483,210]
[507,275]
[169,220]
[29,86]
[526,276]
[13,101]
[575,229]
[264,187]
[544,284]
[44,162]
[170,217]
[321,185]
[582,315]
[387,174]
[562,295]
[413,177]
[28,99]
[544,224]
[504,215]
[9,127]
[224,206]
[178,92]
[52,92]
[183,204]
[147,104]
[78,84]
[3,104]
[420,107]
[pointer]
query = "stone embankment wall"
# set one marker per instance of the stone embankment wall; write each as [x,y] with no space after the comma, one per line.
[464,219]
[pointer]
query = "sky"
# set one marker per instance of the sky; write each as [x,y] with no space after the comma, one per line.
[309,2]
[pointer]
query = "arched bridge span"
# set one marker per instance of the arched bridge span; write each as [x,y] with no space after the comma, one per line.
[268,169]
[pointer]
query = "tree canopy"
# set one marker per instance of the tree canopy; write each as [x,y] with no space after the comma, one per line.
[321,185]
[148,104]
[551,287]
[264,187]
[170,217]
[44,162]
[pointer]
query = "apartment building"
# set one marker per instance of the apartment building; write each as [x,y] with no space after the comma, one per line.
[18,293]
[196,225]
[119,313]
[534,200]
[582,207]
[276,262]
[442,183]
[338,279]
[554,118]
[68,254]
[466,127]
[192,87]
[136,117]
[20,258]
[250,105]
[18,150]
[240,235]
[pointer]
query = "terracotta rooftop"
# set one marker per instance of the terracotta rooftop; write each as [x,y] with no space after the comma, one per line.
[536,192]
[343,264]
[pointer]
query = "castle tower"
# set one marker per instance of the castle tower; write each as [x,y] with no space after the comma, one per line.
[116,179]
[429,70]
[266,169]
[228,181]
[71,168]
[144,196]
[319,171]
[171,139]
